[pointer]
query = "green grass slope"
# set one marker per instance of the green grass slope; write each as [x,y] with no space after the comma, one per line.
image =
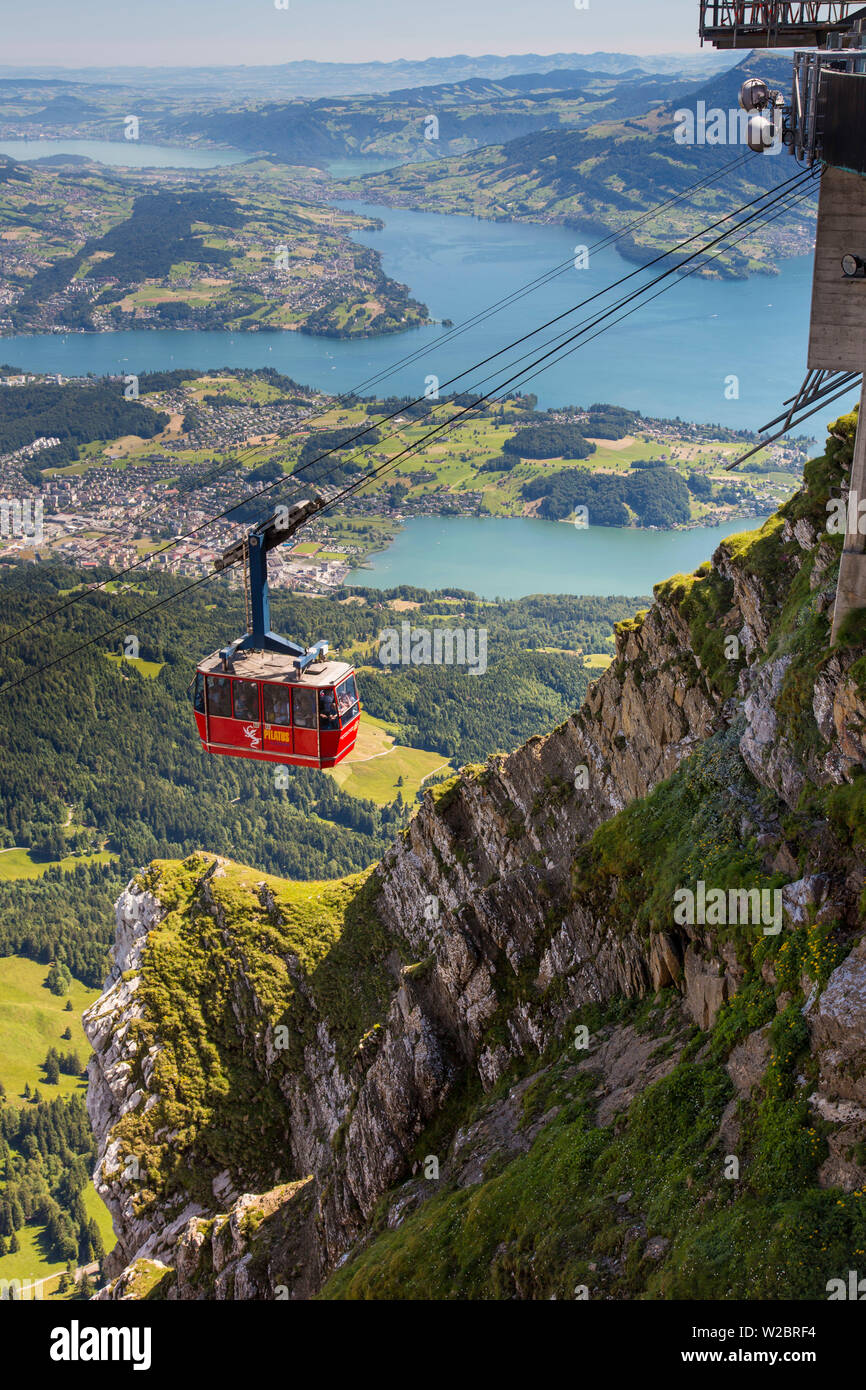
[644,1203]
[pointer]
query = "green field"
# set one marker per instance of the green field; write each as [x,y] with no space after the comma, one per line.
[149,669]
[312,548]
[32,1020]
[253,390]
[19,863]
[453,463]
[377,763]
[30,1262]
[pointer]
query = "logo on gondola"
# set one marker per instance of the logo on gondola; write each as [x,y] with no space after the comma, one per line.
[278,735]
[252,733]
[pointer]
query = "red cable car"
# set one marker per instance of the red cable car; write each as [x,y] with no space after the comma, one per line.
[265,697]
[268,710]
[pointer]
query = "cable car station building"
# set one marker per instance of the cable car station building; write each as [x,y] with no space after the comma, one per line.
[824,122]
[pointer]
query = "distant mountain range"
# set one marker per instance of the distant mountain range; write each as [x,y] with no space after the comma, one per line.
[468,114]
[603,175]
[311,79]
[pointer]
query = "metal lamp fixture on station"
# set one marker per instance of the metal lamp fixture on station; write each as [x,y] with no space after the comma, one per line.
[853,267]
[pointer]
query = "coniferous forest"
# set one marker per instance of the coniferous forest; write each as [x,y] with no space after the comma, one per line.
[119,758]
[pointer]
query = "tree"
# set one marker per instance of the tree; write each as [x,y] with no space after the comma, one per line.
[83,1244]
[14,1243]
[96,1242]
[68,1007]
[67,1032]
[70,1063]
[59,980]
[49,844]
[266,472]
[549,440]
[51,1067]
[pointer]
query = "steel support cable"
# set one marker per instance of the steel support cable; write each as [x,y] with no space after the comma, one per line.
[187,535]
[482,316]
[562,339]
[691,271]
[527,373]
[759,216]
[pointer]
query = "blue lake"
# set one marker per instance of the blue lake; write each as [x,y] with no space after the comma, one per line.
[357,165]
[673,357]
[130,154]
[505,557]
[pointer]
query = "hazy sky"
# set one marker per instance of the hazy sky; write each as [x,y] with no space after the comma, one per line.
[94,33]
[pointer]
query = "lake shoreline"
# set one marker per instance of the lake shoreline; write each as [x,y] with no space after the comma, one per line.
[674,359]
[638,256]
[515,557]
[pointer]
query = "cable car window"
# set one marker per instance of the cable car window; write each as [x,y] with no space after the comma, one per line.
[198,693]
[246,695]
[219,697]
[347,700]
[276,705]
[328,717]
[304,707]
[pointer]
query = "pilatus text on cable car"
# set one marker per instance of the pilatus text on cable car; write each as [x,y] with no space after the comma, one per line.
[265,697]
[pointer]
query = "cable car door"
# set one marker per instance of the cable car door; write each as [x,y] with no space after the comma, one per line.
[277,719]
[305,723]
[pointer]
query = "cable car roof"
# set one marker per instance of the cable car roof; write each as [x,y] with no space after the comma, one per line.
[275,666]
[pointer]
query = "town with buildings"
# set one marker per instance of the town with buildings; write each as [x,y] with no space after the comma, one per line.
[233,439]
[251,249]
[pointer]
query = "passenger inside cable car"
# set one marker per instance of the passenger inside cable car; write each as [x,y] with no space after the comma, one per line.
[328,716]
[276,709]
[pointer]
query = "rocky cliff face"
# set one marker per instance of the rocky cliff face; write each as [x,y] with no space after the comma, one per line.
[290,1080]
